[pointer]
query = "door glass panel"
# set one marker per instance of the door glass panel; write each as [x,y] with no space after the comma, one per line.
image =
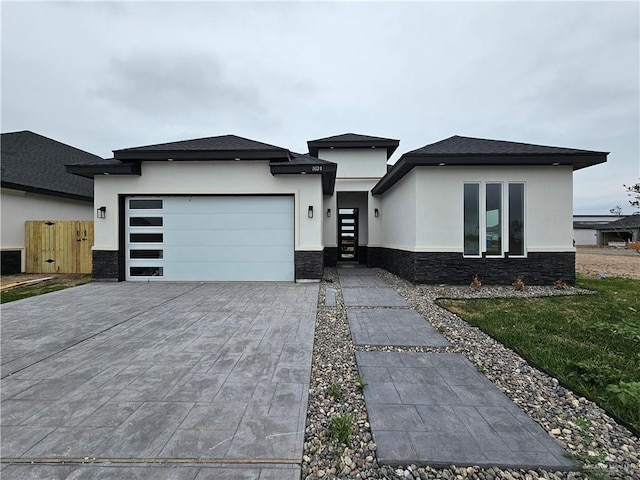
[145,221]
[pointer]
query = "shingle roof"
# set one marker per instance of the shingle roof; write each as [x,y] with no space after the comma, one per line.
[458,145]
[461,151]
[34,163]
[353,140]
[220,147]
[631,221]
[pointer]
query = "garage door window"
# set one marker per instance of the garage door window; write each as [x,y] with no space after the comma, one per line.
[145,237]
[145,254]
[145,204]
[146,271]
[145,221]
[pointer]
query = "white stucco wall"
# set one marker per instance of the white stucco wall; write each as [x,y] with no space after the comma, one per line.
[397,218]
[438,191]
[17,207]
[357,162]
[213,178]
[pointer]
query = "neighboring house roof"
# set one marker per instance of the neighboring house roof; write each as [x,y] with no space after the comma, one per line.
[34,163]
[588,225]
[468,151]
[224,147]
[629,222]
[353,140]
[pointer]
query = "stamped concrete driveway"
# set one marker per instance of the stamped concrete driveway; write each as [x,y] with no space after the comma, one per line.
[157,380]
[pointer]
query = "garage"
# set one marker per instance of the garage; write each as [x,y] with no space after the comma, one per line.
[209,238]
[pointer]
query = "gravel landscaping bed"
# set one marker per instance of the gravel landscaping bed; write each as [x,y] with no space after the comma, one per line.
[606,449]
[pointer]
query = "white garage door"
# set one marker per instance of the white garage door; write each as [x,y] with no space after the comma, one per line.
[210,238]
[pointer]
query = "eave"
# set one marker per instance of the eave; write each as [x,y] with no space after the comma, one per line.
[91,170]
[44,191]
[326,169]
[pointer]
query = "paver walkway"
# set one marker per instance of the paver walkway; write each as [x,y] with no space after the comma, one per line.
[147,373]
[434,408]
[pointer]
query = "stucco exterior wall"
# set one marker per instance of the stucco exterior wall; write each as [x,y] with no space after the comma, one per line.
[212,178]
[17,207]
[397,218]
[357,162]
[439,203]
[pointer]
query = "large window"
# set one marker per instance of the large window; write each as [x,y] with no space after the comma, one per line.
[516,219]
[484,228]
[472,219]
[493,218]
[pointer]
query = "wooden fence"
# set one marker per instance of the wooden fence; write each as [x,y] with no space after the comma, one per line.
[58,246]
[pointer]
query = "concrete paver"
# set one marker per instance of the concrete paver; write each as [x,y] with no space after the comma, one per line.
[158,371]
[437,409]
[392,327]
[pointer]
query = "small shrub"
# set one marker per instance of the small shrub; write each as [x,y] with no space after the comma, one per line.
[475,282]
[335,391]
[341,428]
[561,285]
[360,383]
[518,284]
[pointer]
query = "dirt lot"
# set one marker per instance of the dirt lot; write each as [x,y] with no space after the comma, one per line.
[609,262]
[68,279]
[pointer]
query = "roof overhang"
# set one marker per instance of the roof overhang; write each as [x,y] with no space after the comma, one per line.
[390,145]
[326,169]
[409,161]
[44,191]
[113,168]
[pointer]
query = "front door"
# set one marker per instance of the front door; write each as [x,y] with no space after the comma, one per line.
[348,235]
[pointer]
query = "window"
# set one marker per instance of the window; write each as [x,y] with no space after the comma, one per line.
[493,218]
[157,254]
[499,227]
[472,219]
[145,204]
[145,221]
[145,237]
[146,271]
[516,219]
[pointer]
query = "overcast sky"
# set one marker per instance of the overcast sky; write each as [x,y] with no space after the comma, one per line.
[107,75]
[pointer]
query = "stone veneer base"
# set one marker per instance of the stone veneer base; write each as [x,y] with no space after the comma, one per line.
[11,262]
[537,268]
[309,265]
[105,265]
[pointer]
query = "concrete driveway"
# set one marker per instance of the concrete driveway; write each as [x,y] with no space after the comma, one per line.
[157,380]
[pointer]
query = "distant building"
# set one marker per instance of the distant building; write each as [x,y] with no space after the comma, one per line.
[605,230]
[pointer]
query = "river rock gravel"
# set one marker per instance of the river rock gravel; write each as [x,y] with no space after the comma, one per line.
[603,448]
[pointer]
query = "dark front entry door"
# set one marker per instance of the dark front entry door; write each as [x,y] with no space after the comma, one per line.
[348,235]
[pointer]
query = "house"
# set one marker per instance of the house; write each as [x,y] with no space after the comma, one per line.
[36,186]
[605,230]
[230,208]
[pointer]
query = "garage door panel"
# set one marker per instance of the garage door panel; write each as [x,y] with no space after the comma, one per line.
[228,254]
[215,238]
[228,271]
[222,238]
[239,204]
[211,221]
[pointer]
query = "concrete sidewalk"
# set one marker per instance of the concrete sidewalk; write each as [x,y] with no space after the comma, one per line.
[139,374]
[434,408]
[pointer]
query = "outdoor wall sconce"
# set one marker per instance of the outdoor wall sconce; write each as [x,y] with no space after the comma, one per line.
[328,212]
[102,212]
[376,212]
[310,212]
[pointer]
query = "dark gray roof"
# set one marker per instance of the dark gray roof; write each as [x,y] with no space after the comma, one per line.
[458,145]
[631,221]
[223,147]
[106,166]
[467,151]
[34,163]
[353,140]
[306,164]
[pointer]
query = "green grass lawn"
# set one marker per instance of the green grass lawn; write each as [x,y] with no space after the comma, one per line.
[591,343]
[19,293]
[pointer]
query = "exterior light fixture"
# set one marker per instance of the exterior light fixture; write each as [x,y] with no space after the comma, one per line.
[310,211]
[555,164]
[102,212]
[441,164]
[328,212]
[376,212]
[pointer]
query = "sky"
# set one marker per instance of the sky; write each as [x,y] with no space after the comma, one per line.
[102,76]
